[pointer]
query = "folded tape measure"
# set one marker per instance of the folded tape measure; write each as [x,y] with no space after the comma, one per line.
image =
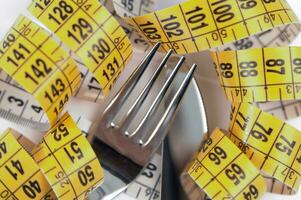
[87,42]
[62,166]
[228,164]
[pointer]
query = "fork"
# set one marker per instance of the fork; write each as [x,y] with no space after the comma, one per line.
[125,153]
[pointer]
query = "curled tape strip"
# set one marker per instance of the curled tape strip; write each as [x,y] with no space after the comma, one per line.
[272,145]
[267,143]
[99,41]
[260,75]
[35,60]
[62,166]
[195,25]
[41,66]
[20,177]
[68,161]
[224,172]
[91,32]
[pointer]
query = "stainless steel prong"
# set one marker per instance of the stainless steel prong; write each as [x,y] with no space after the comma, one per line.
[127,119]
[142,124]
[122,95]
[168,115]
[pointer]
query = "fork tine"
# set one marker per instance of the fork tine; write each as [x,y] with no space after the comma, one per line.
[114,106]
[142,96]
[157,100]
[170,112]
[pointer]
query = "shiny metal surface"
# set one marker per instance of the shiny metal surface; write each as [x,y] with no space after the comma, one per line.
[124,153]
[184,138]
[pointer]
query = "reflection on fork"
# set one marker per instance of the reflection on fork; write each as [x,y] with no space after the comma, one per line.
[124,153]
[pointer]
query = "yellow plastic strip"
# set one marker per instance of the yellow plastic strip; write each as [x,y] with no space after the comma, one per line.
[223,171]
[91,32]
[20,176]
[68,161]
[197,25]
[263,74]
[272,145]
[37,62]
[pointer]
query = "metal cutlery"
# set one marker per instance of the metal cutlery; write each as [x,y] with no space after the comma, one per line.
[124,153]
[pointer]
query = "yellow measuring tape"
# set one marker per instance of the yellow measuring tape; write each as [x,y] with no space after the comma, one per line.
[224,172]
[21,177]
[227,164]
[272,145]
[68,161]
[45,68]
[262,74]
[62,166]
[91,32]
[38,63]
[256,75]
[197,25]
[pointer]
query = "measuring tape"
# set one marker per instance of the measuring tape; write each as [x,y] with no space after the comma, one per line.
[148,184]
[269,144]
[21,177]
[224,172]
[260,75]
[91,32]
[102,49]
[62,166]
[272,145]
[94,36]
[35,60]
[68,161]
[195,25]
[174,28]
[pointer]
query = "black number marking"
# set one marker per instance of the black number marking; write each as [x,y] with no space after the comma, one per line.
[223,12]
[60,132]
[261,135]
[172,27]
[38,70]
[196,17]
[76,150]
[85,176]
[17,167]
[82,28]
[3,149]
[226,70]
[247,4]
[149,171]
[60,12]
[217,154]
[273,63]
[150,30]
[99,51]
[286,146]
[251,194]
[248,69]
[235,173]
[43,4]
[57,89]
[32,189]
[245,121]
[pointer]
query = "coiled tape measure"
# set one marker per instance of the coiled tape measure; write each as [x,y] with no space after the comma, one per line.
[33,59]
[86,34]
[41,173]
